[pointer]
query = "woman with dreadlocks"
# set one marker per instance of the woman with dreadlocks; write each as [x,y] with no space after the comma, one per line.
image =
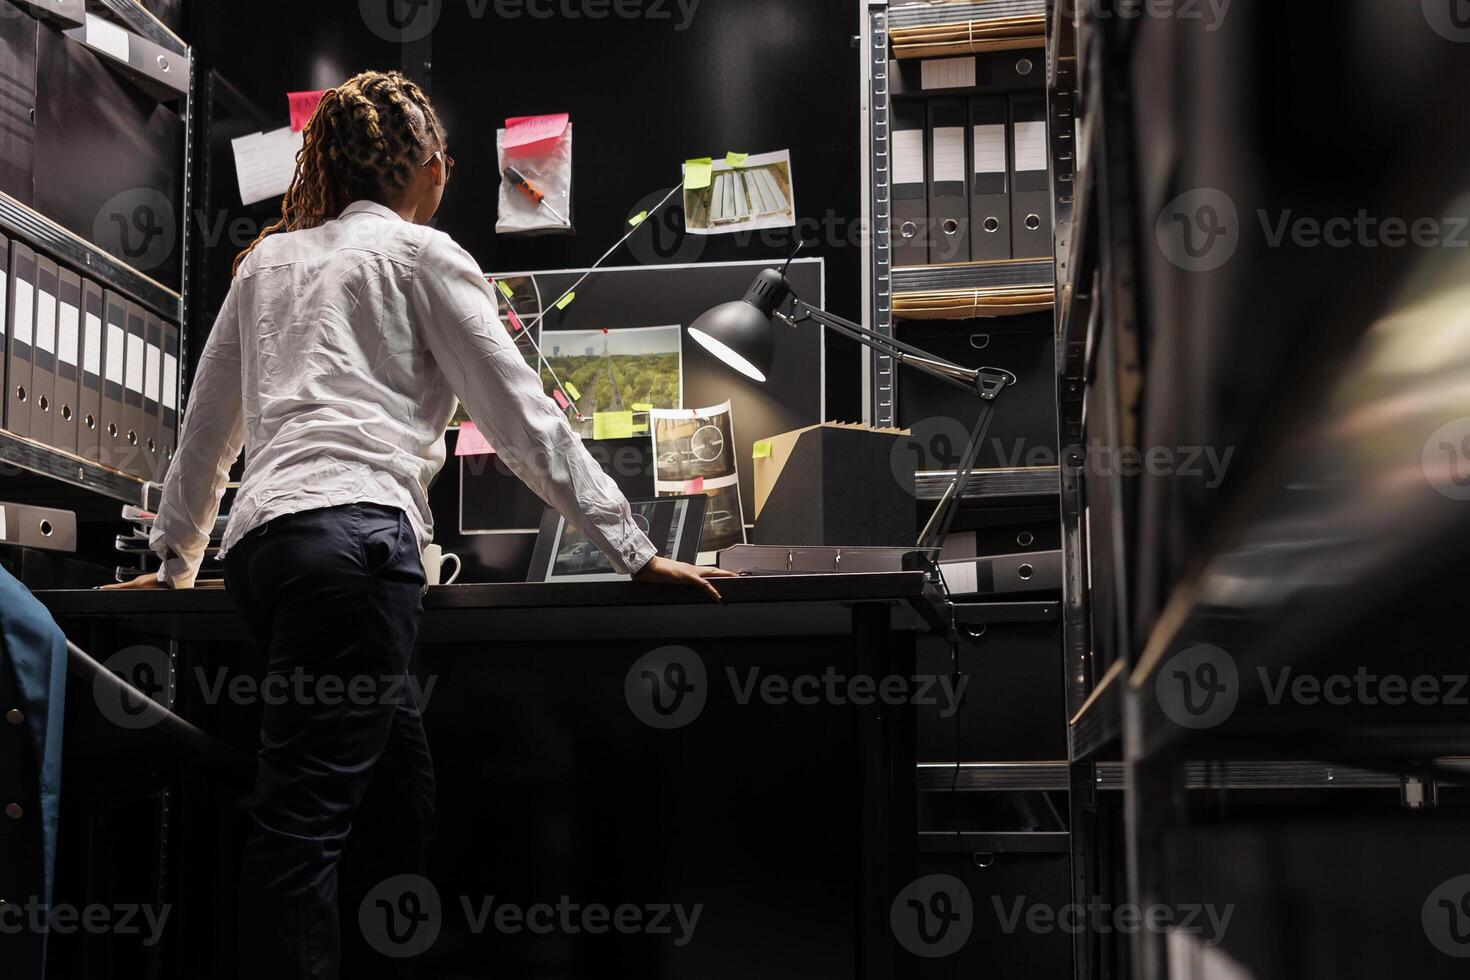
[349,330]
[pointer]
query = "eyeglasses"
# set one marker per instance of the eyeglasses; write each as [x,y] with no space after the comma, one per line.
[448,162]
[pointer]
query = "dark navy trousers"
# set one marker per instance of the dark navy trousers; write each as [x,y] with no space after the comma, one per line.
[344,796]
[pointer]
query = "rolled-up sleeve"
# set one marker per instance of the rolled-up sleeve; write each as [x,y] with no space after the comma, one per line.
[457,313]
[213,432]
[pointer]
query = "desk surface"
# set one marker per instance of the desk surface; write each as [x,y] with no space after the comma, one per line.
[777,604]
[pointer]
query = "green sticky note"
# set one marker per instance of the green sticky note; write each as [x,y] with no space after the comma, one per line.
[637,219]
[698,173]
[640,429]
[642,406]
[504,288]
[761,450]
[736,159]
[612,425]
[565,301]
[572,390]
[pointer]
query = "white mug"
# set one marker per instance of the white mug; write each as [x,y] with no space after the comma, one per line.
[435,558]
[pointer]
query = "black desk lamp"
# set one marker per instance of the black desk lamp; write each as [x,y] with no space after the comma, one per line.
[742,335]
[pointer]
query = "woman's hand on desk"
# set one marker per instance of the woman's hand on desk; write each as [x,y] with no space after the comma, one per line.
[678,573]
[148,580]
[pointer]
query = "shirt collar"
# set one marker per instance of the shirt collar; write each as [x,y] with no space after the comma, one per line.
[370,207]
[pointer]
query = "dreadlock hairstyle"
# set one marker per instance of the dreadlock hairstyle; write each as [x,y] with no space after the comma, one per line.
[366,139]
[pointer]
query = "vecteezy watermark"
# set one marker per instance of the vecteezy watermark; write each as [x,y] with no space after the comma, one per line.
[407,21]
[124,919]
[1450,19]
[403,917]
[668,688]
[1199,230]
[139,226]
[1365,688]
[1207,922]
[933,916]
[1209,13]
[1198,687]
[1446,459]
[151,678]
[1446,917]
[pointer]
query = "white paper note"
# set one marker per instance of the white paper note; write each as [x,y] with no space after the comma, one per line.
[949,153]
[990,149]
[1030,146]
[947,73]
[265,163]
[908,157]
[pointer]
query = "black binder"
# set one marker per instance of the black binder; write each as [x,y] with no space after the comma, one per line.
[910,225]
[114,440]
[169,397]
[133,361]
[21,311]
[43,366]
[66,413]
[990,199]
[4,325]
[1031,231]
[151,436]
[949,185]
[89,408]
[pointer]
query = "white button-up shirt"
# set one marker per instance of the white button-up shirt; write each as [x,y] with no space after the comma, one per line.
[335,362]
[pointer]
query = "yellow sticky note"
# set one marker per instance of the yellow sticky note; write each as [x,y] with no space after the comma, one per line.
[565,301]
[736,159]
[698,173]
[761,450]
[637,219]
[504,288]
[612,425]
[640,428]
[642,406]
[571,389]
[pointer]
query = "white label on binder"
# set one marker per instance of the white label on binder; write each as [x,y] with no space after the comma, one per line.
[46,322]
[1030,146]
[92,352]
[135,364]
[990,149]
[949,153]
[908,157]
[150,383]
[116,339]
[3,296]
[24,311]
[947,73]
[106,36]
[170,382]
[69,340]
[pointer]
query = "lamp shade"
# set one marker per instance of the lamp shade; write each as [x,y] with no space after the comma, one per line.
[740,333]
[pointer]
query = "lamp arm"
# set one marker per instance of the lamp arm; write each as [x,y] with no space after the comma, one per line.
[984,382]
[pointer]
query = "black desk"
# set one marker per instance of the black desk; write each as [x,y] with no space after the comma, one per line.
[791,824]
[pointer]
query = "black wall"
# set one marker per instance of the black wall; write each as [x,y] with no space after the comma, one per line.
[644,94]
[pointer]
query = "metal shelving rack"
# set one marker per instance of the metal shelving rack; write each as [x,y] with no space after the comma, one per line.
[18,219]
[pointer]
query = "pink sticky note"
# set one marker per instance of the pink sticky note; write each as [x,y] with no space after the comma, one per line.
[303,104]
[472,442]
[515,321]
[561,399]
[525,130]
[695,485]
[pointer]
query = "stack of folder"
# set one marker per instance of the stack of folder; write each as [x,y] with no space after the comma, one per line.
[964,304]
[137,557]
[86,370]
[927,30]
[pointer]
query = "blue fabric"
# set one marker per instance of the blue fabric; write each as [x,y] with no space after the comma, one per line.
[32,682]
